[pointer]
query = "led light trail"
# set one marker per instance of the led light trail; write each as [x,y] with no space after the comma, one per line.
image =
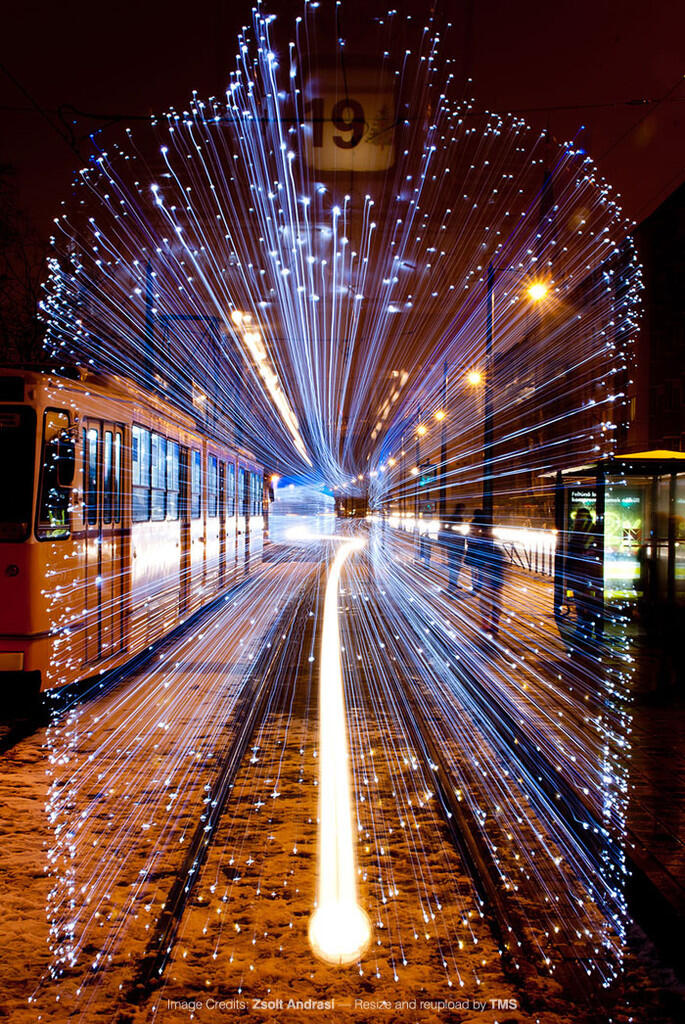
[378,289]
[339,930]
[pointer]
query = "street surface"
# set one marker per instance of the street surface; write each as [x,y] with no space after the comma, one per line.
[100,807]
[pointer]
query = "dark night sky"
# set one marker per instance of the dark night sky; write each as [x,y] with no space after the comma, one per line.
[135,58]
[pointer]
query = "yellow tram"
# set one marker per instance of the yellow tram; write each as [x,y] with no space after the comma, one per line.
[121,515]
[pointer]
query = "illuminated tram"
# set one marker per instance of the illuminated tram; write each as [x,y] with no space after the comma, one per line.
[120,517]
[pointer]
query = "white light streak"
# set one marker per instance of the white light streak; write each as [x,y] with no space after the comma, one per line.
[254,343]
[339,930]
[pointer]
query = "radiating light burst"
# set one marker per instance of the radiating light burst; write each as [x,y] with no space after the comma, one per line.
[361,277]
[327,310]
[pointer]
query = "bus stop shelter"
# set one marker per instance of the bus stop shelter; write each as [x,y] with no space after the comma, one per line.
[637,505]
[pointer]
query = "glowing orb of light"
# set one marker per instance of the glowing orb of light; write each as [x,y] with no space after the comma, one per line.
[339,933]
[537,291]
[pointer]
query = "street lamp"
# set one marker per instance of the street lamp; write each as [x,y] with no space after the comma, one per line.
[536,292]
[440,417]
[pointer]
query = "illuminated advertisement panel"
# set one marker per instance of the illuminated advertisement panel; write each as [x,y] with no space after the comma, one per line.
[624,540]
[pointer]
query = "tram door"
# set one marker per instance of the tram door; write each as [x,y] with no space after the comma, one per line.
[184,524]
[103,445]
[257,510]
[243,518]
[222,524]
[231,532]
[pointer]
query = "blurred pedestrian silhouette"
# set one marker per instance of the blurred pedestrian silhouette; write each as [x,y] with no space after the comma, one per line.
[581,573]
[475,548]
[454,542]
[492,576]
[427,512]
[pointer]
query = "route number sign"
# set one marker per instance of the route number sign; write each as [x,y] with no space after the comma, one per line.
[353,130]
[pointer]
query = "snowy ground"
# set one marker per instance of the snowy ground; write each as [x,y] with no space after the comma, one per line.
[95,810]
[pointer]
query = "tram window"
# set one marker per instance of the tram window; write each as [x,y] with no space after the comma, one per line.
[212,486]
[242,498]
[53,504]
[158,474]
[91,475]
[116,479]
[196,485]
[172,480]
[140,474]
[107,478]
[230,491]
[17,457]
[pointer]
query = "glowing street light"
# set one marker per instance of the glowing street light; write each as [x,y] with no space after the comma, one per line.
[474,378]
[440,415]
[421,429]
[537,291]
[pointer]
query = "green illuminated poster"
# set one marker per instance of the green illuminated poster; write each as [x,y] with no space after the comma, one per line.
[623,540]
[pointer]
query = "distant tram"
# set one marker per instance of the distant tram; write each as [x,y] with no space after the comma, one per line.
[120,517]
[354,506]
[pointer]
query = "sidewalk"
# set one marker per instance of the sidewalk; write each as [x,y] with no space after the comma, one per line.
[656,805]
[656,816]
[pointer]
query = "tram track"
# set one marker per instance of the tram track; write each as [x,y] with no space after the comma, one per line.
[445,864]
[129,776]
[516,954]
[215,926]
[512,928]
[281,666]
[286,634]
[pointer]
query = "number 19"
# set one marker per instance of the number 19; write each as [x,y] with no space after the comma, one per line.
[347,116]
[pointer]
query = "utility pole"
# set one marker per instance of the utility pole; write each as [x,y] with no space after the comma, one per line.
[443,446]
[489,412]
[418,464]
[149,349]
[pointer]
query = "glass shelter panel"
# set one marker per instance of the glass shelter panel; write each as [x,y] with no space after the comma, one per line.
[680,538]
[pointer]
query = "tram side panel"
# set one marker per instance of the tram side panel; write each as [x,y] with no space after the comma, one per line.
[113,560]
